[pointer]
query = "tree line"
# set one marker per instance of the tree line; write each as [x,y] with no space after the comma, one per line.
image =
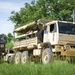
[9,39]
[43,9]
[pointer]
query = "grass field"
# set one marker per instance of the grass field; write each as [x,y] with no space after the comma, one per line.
[56,68]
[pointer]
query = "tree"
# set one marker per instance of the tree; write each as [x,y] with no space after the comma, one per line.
[10,39]
[43,9]
[5,38]
[9,45]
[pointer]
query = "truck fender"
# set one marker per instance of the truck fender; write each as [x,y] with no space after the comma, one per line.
[48,44]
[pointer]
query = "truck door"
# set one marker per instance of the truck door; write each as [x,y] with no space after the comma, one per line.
[52,33]
[46,34]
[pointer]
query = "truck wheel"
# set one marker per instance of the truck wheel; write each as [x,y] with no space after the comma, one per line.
[10,59]
[47,56]
[24,57]
[17,57]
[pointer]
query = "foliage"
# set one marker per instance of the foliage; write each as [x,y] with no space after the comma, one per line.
[8,40]
[9,37]
[56,68]
[43,9]
[9,45]
[5,37]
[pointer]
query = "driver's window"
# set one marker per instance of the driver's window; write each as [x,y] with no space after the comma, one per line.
[53,28]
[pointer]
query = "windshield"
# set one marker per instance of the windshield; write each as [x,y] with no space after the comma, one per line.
[66,28]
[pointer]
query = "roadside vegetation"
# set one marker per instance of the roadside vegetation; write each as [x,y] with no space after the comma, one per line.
[56,68]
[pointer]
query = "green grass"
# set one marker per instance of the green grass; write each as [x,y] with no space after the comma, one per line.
[56,68]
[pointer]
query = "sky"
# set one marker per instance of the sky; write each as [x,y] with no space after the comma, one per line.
[6,7]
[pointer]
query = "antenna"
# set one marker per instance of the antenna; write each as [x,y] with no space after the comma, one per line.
[74,16]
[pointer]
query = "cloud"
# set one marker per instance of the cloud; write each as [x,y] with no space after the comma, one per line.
[5,11]
[6,7]
[9,6]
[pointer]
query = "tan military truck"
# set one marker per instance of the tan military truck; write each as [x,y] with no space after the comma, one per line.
[44,39]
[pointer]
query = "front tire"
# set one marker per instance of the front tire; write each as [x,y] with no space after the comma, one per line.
[17,57]
[47,56]
[24,57]
[10,59]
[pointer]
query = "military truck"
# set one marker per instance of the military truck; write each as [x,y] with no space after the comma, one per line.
[2,47]
[9,57]
[44,40]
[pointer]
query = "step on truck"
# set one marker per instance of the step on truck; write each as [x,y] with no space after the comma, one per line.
[43,40]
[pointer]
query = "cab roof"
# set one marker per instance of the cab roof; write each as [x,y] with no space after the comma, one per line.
[32,26]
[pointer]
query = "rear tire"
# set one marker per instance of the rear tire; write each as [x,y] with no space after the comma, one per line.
[47,56]
[17,57]
[24,57]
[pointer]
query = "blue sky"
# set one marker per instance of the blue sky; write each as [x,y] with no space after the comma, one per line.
[6,7]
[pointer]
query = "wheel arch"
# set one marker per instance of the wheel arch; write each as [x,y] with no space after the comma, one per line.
[47,45]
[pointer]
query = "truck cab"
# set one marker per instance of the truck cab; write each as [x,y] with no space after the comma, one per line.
[61,35]
[51,33]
